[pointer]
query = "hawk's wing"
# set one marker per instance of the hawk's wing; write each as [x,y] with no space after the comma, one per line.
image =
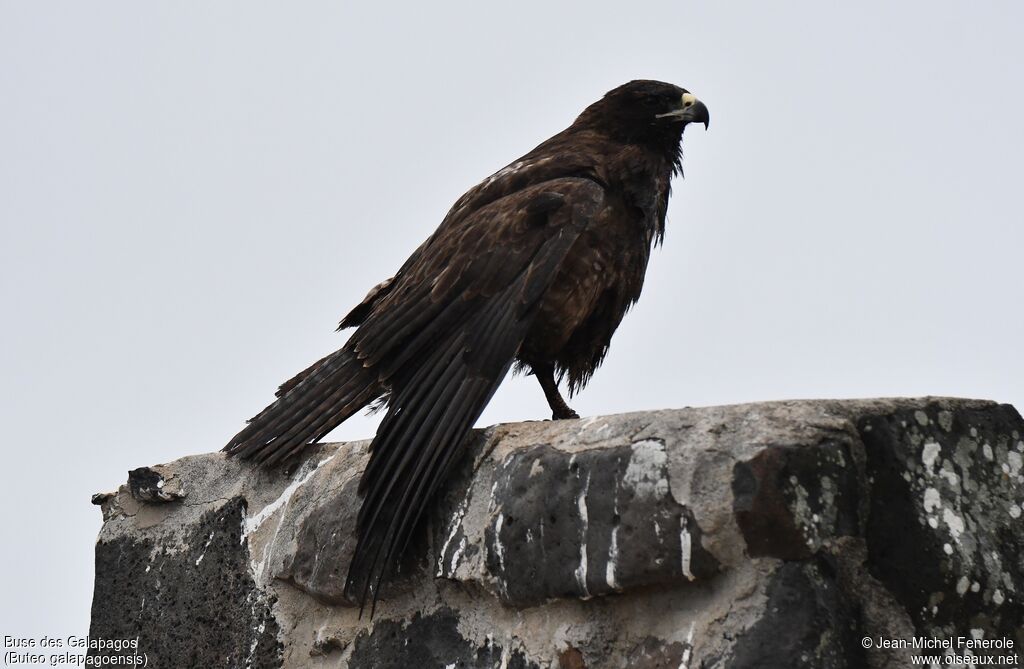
[443,338]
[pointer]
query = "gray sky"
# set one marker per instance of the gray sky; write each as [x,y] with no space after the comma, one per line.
[192,194]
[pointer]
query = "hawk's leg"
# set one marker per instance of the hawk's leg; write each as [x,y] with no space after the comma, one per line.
[559,409]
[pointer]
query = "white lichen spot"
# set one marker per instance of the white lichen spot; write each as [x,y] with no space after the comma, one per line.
[613,548]
[492,502]
[803,515]
[457,554]
[645,472]
[828,495]
[929,454]
[684,662]
[955,524]
[1014,459]
[986,450]
[962,585]
[255,640]
[453,530]
[686,547]
[998,597]
[252,523]
[933,522]
[947,549]
[921,418]
[932,500]
[581,505]
[205,546]
[1014,511]
[506,655]
[499,549]
[975,587]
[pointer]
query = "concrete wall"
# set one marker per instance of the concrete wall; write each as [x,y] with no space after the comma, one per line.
[759,535]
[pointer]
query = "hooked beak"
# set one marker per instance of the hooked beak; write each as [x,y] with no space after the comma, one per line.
[691,110]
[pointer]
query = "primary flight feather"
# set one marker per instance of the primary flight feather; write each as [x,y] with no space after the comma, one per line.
[534,266]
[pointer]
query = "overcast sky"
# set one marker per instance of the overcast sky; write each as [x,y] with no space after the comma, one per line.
[192,194]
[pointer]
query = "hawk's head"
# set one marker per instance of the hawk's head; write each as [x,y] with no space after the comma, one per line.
[647,112]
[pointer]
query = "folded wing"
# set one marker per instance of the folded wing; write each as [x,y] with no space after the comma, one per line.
[443,340]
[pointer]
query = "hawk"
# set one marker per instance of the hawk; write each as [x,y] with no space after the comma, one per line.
[535,267]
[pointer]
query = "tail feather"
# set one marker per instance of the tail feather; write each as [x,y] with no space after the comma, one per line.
[346,400]
[401,515]
[431,411]
[325,394]
[390,528]
[385,461]
[262,427]
[395,464]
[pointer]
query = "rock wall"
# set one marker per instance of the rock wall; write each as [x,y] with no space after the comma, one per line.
[760,535]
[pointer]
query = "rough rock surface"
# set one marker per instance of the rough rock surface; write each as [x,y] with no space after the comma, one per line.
[759,535]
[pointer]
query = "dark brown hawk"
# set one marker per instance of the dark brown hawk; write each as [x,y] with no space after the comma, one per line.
[535,266]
